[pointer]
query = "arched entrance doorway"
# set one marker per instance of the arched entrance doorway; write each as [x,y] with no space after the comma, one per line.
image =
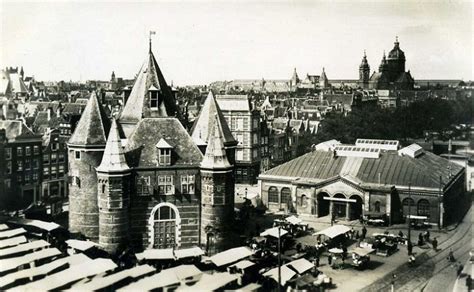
[339,207]
[323,205]
[164,225]
[355,210]
[286,199]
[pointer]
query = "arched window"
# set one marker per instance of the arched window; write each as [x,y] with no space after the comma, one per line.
[377,206]
[285,195]
[273,195]
[304,201]
[408,201]
[423,207]
[164,226]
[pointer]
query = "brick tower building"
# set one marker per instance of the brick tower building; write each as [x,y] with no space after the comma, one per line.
[217,194]
[113,176]
[85,149]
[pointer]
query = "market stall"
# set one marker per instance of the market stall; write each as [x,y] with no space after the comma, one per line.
[360,257]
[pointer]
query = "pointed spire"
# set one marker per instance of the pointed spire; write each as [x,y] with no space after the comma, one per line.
[113,159]
[202,126]
[141,104]
[215,156]
[93,127]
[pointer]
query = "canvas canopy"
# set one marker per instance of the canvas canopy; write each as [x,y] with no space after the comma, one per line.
[333,231]
[294,220]
[101,283]
[230,256]
[12,241]
[300,265]
[362,251]
[81,245]
[273,232]
[286,274]
[211,282]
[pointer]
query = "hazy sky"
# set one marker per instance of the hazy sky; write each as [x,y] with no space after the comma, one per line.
[198,42]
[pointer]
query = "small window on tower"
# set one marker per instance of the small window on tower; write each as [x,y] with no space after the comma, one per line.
[77,155]
[153,98]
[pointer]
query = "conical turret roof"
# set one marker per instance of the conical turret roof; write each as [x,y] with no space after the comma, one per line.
[215,157]
[206,119]
[138,105]
[113,159]
[93,127]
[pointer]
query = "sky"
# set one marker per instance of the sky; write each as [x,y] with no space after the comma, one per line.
[198,42]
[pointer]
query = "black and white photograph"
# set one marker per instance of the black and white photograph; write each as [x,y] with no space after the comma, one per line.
[225,145]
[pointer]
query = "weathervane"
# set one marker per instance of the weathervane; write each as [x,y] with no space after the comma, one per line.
[152,32]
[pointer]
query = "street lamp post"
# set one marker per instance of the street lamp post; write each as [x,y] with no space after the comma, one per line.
[409,218]
[279,259]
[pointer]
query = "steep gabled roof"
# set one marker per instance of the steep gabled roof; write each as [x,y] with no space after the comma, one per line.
[93,127]
[113,159]
[138,103]
[141,150]
[206,120]
[215,157]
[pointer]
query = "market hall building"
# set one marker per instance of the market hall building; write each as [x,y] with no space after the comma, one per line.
[371,178]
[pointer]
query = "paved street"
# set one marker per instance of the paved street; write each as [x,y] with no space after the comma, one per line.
[434,273]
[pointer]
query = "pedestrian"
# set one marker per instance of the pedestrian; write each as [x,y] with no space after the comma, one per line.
[330,260]
[468,282]
[352,232]
[357,235]
[451,256]
[400,234]
[427,236]
[435,244]
[460,268]
[364,232]
[420,239]
[409,247]
[317,261]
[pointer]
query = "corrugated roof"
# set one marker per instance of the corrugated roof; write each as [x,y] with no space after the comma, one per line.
[94,125]
[206,119]
[393,170]
[141,145]
[12,232]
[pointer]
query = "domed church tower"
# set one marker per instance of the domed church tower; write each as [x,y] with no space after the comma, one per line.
[396,61]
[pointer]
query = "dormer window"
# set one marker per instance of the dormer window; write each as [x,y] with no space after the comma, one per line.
[153,91]
[164,152]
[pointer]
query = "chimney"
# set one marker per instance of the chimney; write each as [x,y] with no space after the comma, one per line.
[49,111]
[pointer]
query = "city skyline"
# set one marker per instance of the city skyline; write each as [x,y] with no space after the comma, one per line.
[200,42]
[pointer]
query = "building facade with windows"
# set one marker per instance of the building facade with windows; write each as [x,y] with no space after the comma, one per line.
[244,122]
[371,178]
[21,154]
[137,181]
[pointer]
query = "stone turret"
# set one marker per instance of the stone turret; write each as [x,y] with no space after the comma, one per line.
[85,150]
[217,190]
[113,189]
